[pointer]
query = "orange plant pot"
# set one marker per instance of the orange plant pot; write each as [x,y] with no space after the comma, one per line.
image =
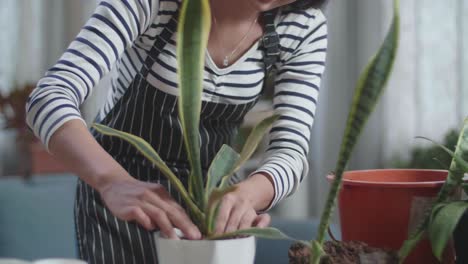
[380,207]
[44,163]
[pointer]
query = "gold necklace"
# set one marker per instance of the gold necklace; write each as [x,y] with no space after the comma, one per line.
[226,60]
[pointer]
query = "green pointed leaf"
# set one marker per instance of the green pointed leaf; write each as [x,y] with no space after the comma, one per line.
[458,159]
[435,210]
[250,145]
[222,164]
[465,188]
[317,253]
[148,152]
[212,215]
[408,245]
[461,151]
[268,232]
[443,224]
[212,207]
[193,30]
[368,90]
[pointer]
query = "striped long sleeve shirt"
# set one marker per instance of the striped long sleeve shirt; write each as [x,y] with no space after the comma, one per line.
[117,39]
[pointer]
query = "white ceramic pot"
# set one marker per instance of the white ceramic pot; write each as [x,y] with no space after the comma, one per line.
[228,251]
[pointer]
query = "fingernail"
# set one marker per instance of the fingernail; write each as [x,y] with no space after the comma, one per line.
[175,237]
[195,235]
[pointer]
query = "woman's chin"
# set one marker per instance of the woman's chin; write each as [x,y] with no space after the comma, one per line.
[265,5]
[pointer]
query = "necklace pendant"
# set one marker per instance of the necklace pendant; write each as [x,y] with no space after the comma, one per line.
[226,61]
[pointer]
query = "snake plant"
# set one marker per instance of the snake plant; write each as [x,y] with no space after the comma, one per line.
[444,215]
[202,200]
[368,90]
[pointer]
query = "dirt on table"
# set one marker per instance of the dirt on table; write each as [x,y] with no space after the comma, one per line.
[352,252]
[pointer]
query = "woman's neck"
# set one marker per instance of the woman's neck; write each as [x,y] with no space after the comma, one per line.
[232,11]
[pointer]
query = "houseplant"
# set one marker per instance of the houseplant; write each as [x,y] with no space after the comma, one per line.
[368,90]
[201,197]
[444,214]
[34,158]
[423,157]
[13,112]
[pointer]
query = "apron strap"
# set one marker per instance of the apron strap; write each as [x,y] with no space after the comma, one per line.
[161,40]
[270,42]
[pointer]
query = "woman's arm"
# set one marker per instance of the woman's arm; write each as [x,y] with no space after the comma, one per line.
[285,163]
[296,93]
[113,27]
[127,198]
[74,145]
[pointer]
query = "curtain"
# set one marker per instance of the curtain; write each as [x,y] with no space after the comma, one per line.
[430,80]
[8,40]
[34,35]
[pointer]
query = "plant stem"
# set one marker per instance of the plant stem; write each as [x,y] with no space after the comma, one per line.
[368,90]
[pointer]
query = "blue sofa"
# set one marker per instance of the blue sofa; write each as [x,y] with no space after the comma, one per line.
[36,221]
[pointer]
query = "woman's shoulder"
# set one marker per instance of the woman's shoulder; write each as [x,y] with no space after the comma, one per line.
[294,21]
[295,26]
[301,30]
[164,10]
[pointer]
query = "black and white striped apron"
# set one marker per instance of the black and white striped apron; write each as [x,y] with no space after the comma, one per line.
[151,114]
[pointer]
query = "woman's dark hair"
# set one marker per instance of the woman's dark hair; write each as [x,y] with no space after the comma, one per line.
[304,4]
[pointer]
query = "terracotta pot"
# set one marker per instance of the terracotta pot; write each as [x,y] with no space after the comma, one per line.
[42,162]
[381,207]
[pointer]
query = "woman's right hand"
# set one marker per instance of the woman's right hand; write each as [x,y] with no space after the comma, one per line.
[150,205]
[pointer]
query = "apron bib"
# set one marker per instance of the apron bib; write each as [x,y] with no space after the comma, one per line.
[151,114]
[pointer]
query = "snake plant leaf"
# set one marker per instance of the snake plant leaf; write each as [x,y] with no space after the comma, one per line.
[369,88]
[443,224]
[222,164]
[212,215]
[192,41]
[148,152]
[267,232]
[461,151]
[465,188]
[317,252]
[250,146]
[435,210]
[462,164]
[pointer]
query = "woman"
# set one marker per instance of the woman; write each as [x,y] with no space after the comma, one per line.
[121,198]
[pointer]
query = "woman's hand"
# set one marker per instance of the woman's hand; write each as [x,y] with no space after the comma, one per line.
[239,208]
[128,199]
[236,213]
[150,205]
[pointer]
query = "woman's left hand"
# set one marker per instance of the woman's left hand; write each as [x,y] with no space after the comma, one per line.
[239,208]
